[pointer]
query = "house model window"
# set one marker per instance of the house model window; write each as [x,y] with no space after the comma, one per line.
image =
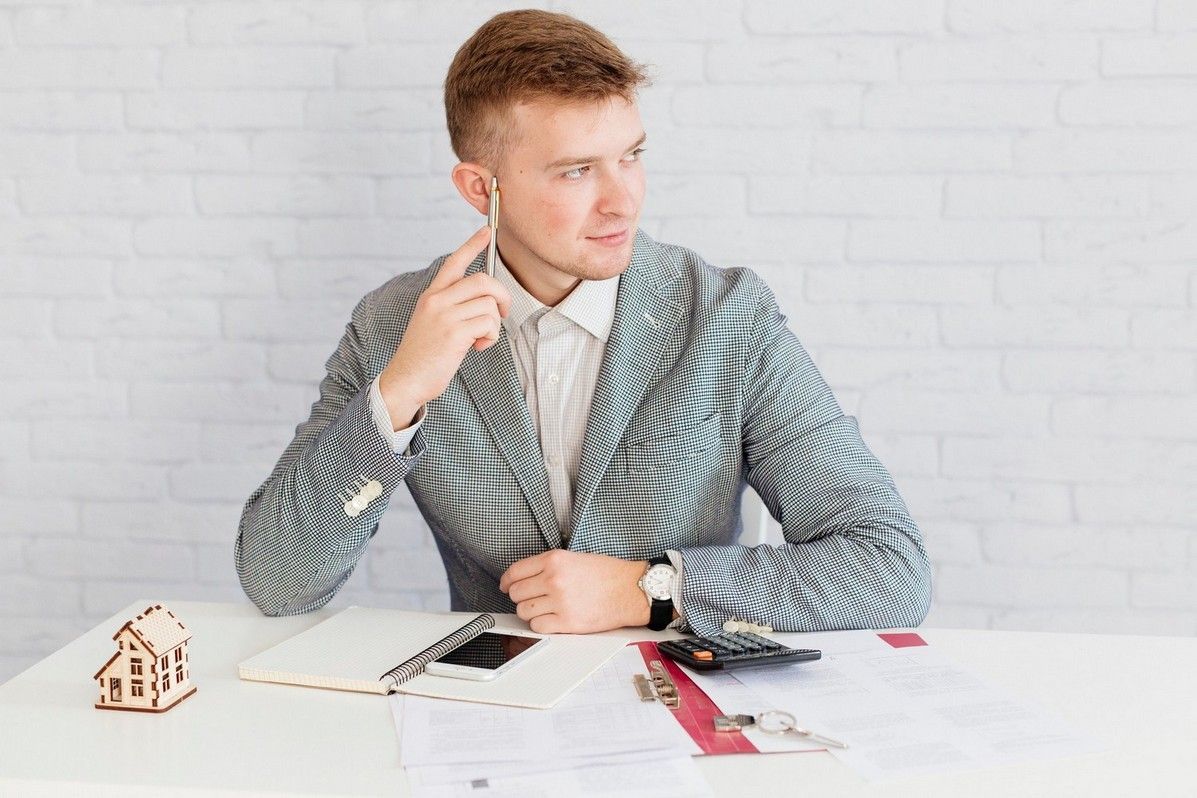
[143,681]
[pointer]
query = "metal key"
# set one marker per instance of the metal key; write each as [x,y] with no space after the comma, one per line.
[777,722]
[772,722]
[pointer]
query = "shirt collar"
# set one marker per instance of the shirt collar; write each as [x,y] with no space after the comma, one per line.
[591,305]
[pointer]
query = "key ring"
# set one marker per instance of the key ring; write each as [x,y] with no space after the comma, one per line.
[775,721]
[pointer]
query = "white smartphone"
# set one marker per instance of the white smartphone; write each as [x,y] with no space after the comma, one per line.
[487,656]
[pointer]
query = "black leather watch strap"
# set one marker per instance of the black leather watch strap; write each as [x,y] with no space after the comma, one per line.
[660,614]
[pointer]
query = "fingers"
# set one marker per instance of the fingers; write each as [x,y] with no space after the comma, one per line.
[534,607]
[540,615]
[473,308]
[481,307]
[521,569]
[478,332]
[474,286]
[536,591]
[455,265]
[530,588]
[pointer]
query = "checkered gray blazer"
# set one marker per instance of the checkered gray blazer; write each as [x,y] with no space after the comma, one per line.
[703,389]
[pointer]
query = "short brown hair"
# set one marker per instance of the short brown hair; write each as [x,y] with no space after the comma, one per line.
[525,56]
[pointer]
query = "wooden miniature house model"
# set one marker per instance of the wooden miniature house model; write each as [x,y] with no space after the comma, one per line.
[150,671]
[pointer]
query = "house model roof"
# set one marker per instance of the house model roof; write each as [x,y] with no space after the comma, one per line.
[158,629]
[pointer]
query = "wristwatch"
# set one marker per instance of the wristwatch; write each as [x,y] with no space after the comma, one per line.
[657,583]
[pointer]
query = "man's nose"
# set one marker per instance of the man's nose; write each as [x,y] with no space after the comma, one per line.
[616,196]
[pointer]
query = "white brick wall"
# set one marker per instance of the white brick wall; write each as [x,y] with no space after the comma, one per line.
[978,215]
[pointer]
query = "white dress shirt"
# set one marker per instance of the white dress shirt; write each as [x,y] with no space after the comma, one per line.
[558,352]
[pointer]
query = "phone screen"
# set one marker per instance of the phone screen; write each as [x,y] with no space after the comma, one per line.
[490,650]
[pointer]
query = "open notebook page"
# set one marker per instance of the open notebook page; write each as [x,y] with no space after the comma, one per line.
[352,649]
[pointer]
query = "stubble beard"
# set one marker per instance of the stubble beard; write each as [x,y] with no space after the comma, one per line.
[582,268]
[614,264]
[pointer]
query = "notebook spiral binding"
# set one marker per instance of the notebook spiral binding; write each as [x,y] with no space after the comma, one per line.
[415,666]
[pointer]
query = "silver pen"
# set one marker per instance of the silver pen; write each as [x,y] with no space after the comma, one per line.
[492,221]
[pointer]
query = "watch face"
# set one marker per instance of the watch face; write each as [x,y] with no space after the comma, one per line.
[658,580]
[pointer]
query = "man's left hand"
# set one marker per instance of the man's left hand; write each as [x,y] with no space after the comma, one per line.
[576,592]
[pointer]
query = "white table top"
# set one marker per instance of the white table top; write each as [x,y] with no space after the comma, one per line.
[252,738]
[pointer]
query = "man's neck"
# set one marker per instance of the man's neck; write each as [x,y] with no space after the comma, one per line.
[548,289]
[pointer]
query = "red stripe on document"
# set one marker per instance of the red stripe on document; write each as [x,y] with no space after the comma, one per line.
[902,639]
[697,711]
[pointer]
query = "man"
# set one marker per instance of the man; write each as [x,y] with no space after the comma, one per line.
[578,429]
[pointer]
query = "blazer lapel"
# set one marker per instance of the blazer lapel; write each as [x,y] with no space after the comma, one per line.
[494,387]
[643,326]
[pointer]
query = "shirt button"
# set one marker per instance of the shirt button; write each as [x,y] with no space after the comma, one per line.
[554,379]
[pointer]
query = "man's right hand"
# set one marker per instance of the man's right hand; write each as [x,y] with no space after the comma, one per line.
[453,314]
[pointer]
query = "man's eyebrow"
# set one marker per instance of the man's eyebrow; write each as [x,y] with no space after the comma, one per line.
[570,161]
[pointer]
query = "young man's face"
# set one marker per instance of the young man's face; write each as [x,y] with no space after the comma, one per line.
[571,177]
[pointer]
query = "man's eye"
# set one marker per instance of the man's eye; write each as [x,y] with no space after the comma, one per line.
[576,174]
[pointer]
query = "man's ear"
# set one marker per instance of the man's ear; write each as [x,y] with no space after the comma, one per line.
[473,183]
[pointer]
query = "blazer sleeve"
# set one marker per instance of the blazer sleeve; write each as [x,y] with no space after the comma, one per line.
[297,542]
[853,556]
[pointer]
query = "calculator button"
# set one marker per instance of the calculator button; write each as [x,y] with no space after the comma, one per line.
[703,655]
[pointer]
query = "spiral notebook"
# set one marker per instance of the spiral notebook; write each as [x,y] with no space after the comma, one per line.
[382,651]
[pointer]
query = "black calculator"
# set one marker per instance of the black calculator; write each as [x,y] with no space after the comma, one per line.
[733,650]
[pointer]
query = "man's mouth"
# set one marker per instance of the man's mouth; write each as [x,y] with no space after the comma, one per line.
[613,238]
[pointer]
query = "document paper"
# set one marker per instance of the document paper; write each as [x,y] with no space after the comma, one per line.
[600,740]
[908,710]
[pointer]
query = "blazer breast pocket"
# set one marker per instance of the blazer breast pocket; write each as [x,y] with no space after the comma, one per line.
[674,449]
